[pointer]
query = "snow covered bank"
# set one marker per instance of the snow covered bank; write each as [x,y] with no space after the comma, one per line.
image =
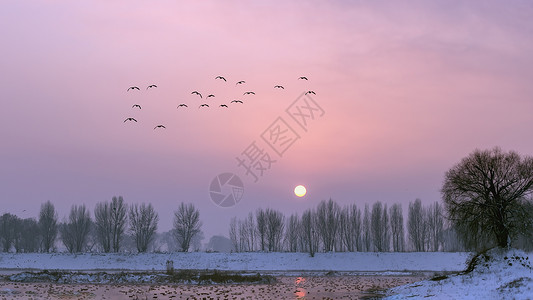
[497,274]
[353,261]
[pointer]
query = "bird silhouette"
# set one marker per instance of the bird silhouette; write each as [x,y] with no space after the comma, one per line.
[182,105]
[159,126]
[279,87]
[134,88]
[303,77]
[236,101]
[223,105]
[210,95]
[203,105]
[151,86]
[130,119]
[240,82]
[310,92]
[136,105]
[248,93]
[220,77]
[196,92]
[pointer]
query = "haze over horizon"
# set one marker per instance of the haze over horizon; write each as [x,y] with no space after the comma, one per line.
[407,90]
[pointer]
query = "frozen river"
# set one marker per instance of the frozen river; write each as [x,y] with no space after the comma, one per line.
[286,287]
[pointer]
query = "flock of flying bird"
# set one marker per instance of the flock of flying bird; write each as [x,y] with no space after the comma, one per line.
[183,105]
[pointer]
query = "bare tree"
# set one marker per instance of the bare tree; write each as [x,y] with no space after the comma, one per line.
[8,231]
[186,225]
[275,227]
[74,232]
[110,221]
[243,236]
[350,225]
[367,230]
[386,229]
[309,232]
[292,233]
[328,213]
[47,226]
[118,211]
[252,233]
[416,226]
[397,231]
[487,193]
[26,236]
[261,223]
[143,225]
[435,224]
[379,227]
[233,234]
[102,221]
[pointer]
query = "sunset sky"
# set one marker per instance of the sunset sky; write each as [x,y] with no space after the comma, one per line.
[407,90]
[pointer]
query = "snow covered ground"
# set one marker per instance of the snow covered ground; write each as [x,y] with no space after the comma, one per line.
[498,275]
[353,261]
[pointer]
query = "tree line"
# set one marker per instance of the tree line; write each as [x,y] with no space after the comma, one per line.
[113,221]
[330,227]
[327,227]
[488,199]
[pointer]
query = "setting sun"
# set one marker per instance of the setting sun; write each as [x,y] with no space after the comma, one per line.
[300,191]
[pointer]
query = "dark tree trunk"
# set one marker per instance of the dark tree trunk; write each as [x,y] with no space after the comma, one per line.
[502,237]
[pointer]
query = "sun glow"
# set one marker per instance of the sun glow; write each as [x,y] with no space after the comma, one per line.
[300,191]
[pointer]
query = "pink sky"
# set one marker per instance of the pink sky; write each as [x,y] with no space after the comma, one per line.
[408,90]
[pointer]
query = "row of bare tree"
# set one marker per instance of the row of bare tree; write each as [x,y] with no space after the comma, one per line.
[330,227]
[80,233]
[29,235]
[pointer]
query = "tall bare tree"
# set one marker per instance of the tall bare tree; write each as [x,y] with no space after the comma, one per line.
[27,236]
[251,231]
[186,224]
[350,225]
[386,230]
[275,227]
[435,224]
[367,230]
[261,223]
[309,232]
[74,232]
[8,231]
[292,233]
[118,221]
[243,235]
[143,225]
[379,227]
[47,226]
[110,220]
[397,231]
[417,226]
[487,193]
[102,222]
[328,213]
[234,234]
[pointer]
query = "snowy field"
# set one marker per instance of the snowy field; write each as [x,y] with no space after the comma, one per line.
[346,261]
[498,275]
